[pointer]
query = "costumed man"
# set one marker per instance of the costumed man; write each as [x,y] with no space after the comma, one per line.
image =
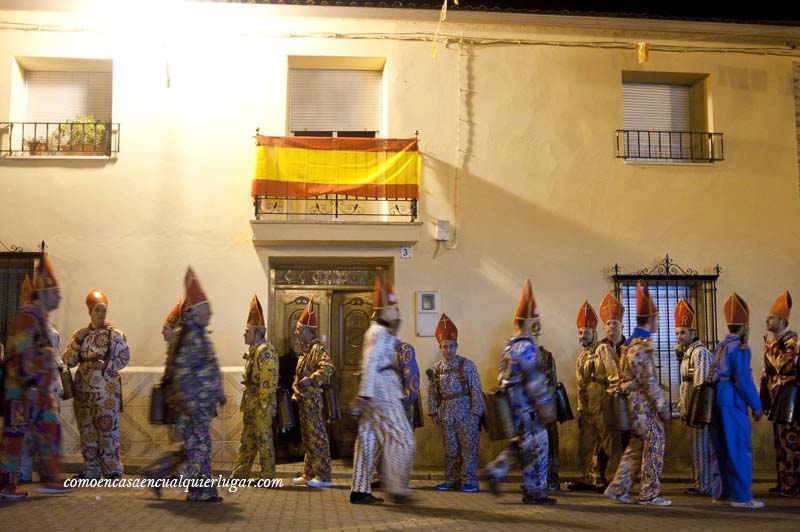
[591,394]
[455,403]
[28,400]
[548,362]
[405,364]
[647,408]
[609,354]
[258,400]
[780,369]
[383,421]
[100,351]
[695,365]
[314,370]
[735,392]
[522,377]
[193,390]
[29,447]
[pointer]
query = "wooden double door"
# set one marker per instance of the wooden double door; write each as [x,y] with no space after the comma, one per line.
[343,316]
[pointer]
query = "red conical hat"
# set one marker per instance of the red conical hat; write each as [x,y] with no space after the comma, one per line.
[782,306]
[611,308]
[45,276]
[446,329]
[174,314]
[527,308]
[587,318]
[26,292]
[308,317]
[383,296]
[256,316]
[645,306]
[194,292]
[736,310]
[685,316]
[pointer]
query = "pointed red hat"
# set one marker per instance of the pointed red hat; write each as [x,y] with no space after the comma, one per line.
[174,314]
[45,276]
[645,306]
[736,310]
[383,295]
[587,318]
[527,308]
[309,316]
[446,329]
[685,316]
[256,316]
[26,292]
[611,308]
[194,292]
[782,306]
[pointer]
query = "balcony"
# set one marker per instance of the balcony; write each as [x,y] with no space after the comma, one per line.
[336,191]
[669,146]
[48,140]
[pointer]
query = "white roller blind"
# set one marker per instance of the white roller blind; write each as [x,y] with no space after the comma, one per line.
[60,96]
[334,100]
[656,107]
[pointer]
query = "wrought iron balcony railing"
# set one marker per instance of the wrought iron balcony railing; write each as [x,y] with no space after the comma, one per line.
[51,139]
[335,207]
[670,146]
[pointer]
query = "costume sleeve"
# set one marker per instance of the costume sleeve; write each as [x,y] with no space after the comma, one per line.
[475,389]
[33,360]
[433,393]
[535,379]
[72,354]
[646,375]
[702,365]
[266,373]
[325,367]
[369,365]
[121,354]
[410,373]
[743,378]
[609,362]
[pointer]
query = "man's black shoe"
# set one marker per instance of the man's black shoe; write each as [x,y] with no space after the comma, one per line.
[580,486]
[546,501]
[364,498]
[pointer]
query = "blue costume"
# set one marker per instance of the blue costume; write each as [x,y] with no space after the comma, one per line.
[522,375]
[730,429]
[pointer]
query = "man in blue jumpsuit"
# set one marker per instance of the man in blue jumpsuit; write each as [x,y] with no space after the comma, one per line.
[730,428]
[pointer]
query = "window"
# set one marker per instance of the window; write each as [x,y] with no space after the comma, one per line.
[14,266]
[61,107]
[335,102]
[665,119]
[667,284]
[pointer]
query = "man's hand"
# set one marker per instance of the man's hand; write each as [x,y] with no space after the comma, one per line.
[757,415]
[305,382]
[547,413]
[436,420]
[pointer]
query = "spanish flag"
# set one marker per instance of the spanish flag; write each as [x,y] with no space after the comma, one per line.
[303,167]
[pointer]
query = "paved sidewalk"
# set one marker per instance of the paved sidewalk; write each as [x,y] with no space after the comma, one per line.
[294,508]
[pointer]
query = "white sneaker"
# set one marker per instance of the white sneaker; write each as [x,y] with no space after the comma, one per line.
[622,499]
[655,501]
[316,482]
[749,504]
[300,481]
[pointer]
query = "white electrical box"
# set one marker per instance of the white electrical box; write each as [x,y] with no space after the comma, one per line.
[427,313]
[443,230]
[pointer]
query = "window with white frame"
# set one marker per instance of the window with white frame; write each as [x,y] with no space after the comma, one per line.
[334,102]
[63,96]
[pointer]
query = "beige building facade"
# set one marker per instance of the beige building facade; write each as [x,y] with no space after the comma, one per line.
[516,117]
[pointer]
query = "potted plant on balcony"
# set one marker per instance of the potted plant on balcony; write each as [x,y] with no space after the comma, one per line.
[36,146]
[82,136]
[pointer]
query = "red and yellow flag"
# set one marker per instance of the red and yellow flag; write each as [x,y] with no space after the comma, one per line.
[302,167]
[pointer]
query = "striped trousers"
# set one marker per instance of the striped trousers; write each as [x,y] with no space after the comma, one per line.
[383,425]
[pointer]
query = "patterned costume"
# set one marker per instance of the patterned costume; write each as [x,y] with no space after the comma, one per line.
[98,393]
[591,393]
[383,422]
[522,376]
[193,388]
[29,446]
[606,373]
[28,402]
[639,380]
[780,368]
[315,363]
[548,362]
[456,396]
[695,365]
[258,403]
[735,392]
